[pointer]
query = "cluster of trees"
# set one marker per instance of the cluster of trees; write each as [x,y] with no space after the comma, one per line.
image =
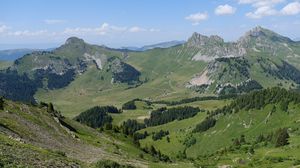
[189,141]
[157,154]
[130,105]
[205,125]
[237,142]
[131,126]
[138,136]
[278,138]
[17,87]
[111,109]
[243,88]
[95,117]
[55,81]
[159,135]
[164,115]
[282,137]
[236,64]
[249,86]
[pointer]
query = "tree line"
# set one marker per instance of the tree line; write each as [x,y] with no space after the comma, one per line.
[164,115]
[97,116]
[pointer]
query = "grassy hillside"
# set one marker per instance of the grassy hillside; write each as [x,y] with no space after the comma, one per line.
[27,130]
[216,146]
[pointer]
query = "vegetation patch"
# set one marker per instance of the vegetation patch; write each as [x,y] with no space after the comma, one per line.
[96,117]
[164,115]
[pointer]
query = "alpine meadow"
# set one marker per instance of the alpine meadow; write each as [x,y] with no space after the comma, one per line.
[138,84]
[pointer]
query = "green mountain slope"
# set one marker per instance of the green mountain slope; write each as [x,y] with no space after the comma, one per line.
[257,117]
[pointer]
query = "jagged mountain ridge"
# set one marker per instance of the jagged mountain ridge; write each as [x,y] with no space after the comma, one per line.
[203,64]
[256,40]
[234,63]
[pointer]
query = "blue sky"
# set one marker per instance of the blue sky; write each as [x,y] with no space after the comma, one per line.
[116,23]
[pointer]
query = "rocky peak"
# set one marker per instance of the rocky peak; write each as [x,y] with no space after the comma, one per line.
[74,40]
[265,35]
[256,32]
[200,40]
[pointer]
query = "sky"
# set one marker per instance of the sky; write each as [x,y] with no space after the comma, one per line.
[118,23]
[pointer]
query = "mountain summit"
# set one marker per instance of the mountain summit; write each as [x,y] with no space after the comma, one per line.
[260,33]
[74,40]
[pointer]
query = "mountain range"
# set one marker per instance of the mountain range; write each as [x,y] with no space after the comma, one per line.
[202,65]
[200,103]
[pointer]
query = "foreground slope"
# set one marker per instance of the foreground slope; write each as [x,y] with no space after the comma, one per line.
[33,136]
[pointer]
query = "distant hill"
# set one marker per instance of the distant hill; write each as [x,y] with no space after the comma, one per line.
[13,54]
[158,45]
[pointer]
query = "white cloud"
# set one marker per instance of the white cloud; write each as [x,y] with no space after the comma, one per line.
[261,12]
[225,10]
[291,9]
[197,18]
[154,30]
[54,21]
[262,8]
[3,28]
[136,29]
[28,33]
[104,29]
[261,3]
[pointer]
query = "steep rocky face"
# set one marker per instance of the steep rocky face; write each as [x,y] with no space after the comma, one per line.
[222,73]
[210,48]
[198,40]
[124,73]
